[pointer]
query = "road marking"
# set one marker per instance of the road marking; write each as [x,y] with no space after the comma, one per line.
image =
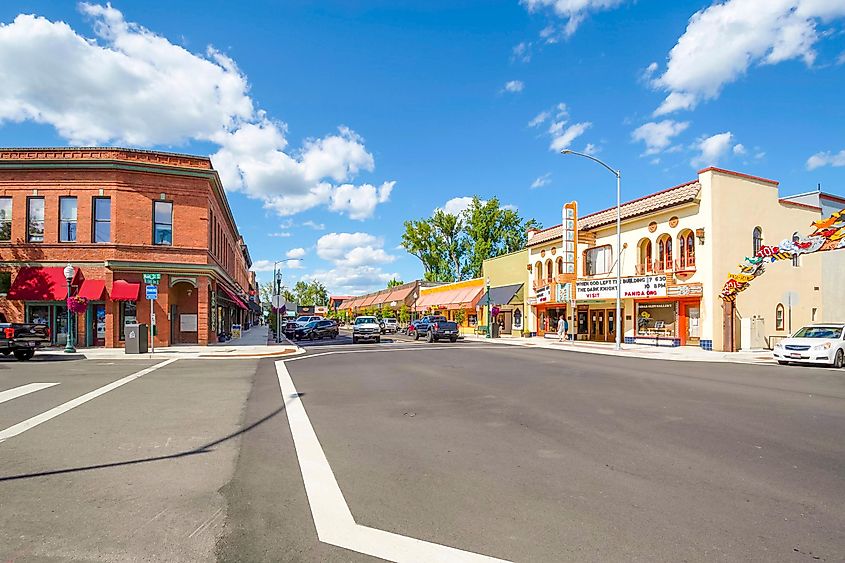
[332,517]
[388,350]
[30,423]
[23,390]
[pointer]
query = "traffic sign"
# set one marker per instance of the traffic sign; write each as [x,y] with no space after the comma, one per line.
[152,292]
[152,279]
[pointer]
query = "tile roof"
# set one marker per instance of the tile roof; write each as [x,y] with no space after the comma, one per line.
[677,195]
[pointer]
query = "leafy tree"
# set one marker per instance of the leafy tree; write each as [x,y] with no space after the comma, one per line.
[453,247]
[394,282]
[311,293]
[404,313]
[460,316]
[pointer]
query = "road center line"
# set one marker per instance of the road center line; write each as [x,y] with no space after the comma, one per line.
[30,423]
[23,390]
[332,517]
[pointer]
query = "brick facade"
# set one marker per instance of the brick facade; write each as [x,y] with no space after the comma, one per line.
[207,252]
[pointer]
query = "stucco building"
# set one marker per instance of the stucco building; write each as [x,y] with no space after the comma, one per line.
[679,246]
[114,215]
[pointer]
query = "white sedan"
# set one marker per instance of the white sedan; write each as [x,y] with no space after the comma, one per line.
[813,344]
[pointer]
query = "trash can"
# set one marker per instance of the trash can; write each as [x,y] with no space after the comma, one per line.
[137,339]
[495,330]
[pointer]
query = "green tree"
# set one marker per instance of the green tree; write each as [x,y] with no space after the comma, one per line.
[453,247]
[394,282]
[404,314]
[311,293]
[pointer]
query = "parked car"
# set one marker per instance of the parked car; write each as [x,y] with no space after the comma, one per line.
[389,325]
[436,327]
[22,339]
[366,328]
[317,330]
[290,328]
[304,320]
[813,344]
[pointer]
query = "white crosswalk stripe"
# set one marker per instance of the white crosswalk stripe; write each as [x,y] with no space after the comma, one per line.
[23,390]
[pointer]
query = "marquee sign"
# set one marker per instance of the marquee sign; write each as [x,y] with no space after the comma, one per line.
[640,286]
[828,234]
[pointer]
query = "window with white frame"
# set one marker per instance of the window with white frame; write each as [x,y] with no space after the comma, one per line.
[598,261]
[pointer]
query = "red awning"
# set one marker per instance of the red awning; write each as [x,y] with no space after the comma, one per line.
[34,283]
[233,298]
[122,290]
[92,290]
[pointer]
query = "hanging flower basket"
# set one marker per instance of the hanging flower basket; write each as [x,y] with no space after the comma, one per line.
[77,304]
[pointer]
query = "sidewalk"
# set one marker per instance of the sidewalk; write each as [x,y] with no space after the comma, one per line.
[252,344]
[678,353]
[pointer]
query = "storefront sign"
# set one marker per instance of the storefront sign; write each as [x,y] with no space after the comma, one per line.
[543,294]
[641,287]
[564,292]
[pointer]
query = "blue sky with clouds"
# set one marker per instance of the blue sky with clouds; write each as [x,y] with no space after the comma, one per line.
[332,122]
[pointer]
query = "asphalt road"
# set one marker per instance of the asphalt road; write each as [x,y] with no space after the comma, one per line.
[520,454]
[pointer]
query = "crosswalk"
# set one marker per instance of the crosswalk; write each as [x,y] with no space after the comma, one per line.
[23,390]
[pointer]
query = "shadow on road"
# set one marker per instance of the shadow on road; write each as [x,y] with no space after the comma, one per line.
[200,450]
[10,359]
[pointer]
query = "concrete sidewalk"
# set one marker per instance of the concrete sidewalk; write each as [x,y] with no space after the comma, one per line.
[678,353]
[252,344]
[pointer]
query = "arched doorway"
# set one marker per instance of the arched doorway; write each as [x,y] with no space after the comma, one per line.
[184,311]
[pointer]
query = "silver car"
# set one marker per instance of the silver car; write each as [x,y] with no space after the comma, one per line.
[366,328]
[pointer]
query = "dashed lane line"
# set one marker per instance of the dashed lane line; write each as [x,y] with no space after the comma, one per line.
[30,423]
[10,394]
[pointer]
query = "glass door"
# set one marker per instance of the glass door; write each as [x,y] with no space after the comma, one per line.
[611,325]
[693,324]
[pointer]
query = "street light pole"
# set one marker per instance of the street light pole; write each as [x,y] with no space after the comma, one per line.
[487,283]
[618,174]
[69,348]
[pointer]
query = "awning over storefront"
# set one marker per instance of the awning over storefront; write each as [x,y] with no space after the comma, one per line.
[460,298]
[233,298]
[466,298]
[399,295]
[41,284]
[254,307]
[501,295]
[122,290]
[92,290]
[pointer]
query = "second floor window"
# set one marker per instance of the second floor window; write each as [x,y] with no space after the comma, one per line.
[598,260]
[67,219]
[5,218]
[163,223]
[102,219]
[757,239]
[35,219]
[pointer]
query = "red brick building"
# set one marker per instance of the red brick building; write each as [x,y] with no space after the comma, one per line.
[114,215]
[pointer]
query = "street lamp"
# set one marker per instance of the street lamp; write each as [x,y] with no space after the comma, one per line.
[618,174]
[69,349]
[487,283]
[414,316]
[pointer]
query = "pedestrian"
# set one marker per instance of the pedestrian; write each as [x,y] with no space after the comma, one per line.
[565,328]
[561,328]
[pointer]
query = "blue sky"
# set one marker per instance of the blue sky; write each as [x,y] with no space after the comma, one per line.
[333,122]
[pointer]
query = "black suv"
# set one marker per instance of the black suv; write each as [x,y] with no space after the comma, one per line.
[315,330]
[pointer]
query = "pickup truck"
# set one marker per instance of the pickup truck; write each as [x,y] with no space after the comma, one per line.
[436,327]
[22,339]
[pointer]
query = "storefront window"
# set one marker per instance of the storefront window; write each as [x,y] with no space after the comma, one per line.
[598,260]
[517,319]
[128,315]
[656,319]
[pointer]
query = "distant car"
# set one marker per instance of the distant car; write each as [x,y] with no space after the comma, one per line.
[290,328]
[436,327]
[366,328]
[304,320]
[813,344]
[389,325]
[316,330]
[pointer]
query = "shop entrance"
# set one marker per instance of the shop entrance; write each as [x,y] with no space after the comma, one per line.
[692,313]
[547,319]
[601,325]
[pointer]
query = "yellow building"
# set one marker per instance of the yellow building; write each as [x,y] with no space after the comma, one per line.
[505,277]
[456,301]
[679,246]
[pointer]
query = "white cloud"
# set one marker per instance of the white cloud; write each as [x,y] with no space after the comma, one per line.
[711,149]
[313,225]
[514,86]
[590,149]
[262,266]
[359,202]
[739,149]
[658,135]
[543,180]
[281,234]
[521,52]
[128,85]
[270,265]
[724,40]
[296,253]
[563,136]
[540,118]
[573,11]
[826,159]
[353,249]
[457,205]
[293,264]
[352,281]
